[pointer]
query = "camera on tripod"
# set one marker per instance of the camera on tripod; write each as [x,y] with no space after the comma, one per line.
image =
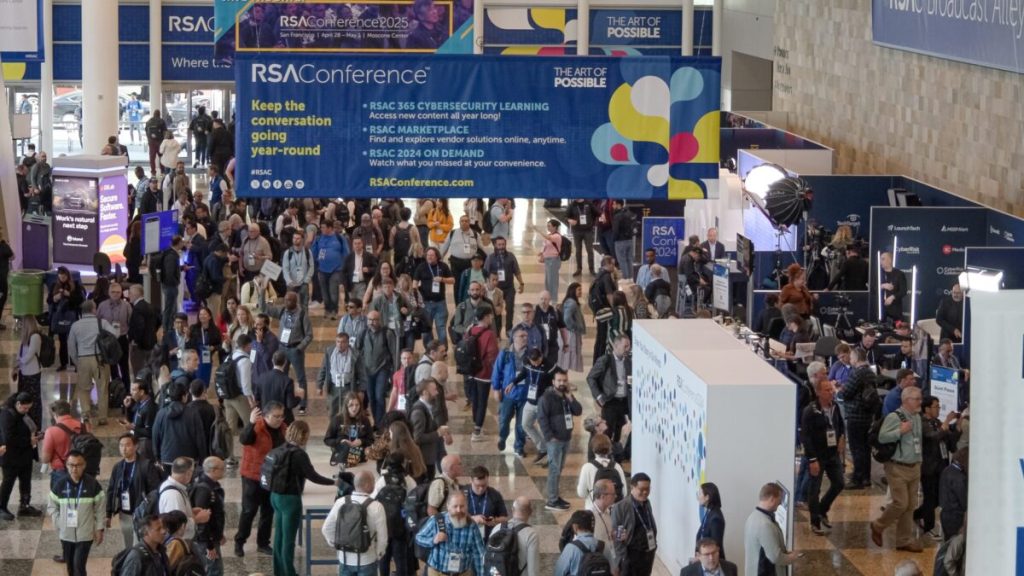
[843,300]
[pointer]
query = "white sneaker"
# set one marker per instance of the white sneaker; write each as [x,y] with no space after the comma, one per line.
[314,305]
[476,437]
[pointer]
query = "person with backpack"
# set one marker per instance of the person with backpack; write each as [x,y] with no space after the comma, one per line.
[297,265]
[155,130]
[556,249]
[425,430]
[461,245]
[486,504]
[286,481]
[58,439]
[18,440]
[454,541]
[513,548]
[512,392]
[584,555]
[610,380]
[34,350]
[636,531]
[131,479]
[184,557]
[330,249]
[208,494]
[200,127]
[474,357]
[233,384]
[391,491]
[148,557]
[201,407]
[465,313]
[90,366]
[173,495]
[601,467]
[862,407]
[140,413]
[264,432]
[178,433]
[357,527]
[903,471]
[599,300]
[77,507]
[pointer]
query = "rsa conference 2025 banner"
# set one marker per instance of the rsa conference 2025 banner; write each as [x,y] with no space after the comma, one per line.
[487,126]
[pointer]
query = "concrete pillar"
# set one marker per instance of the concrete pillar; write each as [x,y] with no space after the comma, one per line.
[716,28]
[583,28]
[156,70]
[687,27]
[10,218]
[478,27]
[99,73]
[46,82]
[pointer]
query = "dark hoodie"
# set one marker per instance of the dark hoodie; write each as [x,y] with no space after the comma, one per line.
[178,432]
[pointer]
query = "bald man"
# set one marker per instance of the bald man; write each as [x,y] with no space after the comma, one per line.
[458,548]
[255,251]
[526,536]
[354,562]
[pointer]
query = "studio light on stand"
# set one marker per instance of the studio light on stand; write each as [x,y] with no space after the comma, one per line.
[975,279]
[759,180]
[786,203]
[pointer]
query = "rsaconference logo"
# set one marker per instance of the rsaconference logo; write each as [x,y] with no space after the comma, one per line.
[350,74]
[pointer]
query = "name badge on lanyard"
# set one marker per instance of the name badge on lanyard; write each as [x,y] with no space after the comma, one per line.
[830,438]
[71,517]
[917,446]
[117,327]
[286,335]
[454,563]
[467,249]
[501,275]
[206,356]
[568,420]
[583,218]
[547,331]
[252,356]
[322,254]
[532,393]
[126,502]
[435,286]
[652,541]
[402,402]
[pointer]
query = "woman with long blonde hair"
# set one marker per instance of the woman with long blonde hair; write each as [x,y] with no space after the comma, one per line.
[27,371]
[402,441]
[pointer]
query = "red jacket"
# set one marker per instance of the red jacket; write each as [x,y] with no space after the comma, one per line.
[487,347]
[257,441]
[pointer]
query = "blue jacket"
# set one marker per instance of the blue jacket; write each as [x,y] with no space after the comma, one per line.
[504,373]
[330,252]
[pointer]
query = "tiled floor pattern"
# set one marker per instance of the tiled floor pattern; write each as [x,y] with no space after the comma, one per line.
[27,545]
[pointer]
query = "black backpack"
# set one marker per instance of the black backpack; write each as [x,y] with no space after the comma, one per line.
[352,531]
[411,396]
[108,349]
[149,506]
[225,381]
[593,563]
[403,242]
[608,473]
[882,452]
[117,566]
[274,470]
[220,436]
[596,299]
[88,445]
[392,497]
[416,513]
[47,350]
[154,131]
[467,354]
[487,222]
[502,555]
[564,249]
[203,286]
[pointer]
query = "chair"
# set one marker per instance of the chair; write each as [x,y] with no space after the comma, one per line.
[776,327]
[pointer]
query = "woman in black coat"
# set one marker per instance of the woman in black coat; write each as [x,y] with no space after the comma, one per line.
[65,300]
[713,523]
[18,438]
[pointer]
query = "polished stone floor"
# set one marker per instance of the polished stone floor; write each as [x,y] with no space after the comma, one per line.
[27,545]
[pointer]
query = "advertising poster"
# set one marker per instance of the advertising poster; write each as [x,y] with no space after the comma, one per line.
[934,240]
[21,30]
[664,235]
[113,217]
[75,205]
[423,26]
[720,288]
[530,31]
[976,31]
[479,126]
[158,230]
[945,385]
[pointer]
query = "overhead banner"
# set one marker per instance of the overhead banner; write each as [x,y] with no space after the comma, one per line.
[997,434]
[983,32]
[392,26]
[480,126]
[21,31]
[934,240]
[662,234]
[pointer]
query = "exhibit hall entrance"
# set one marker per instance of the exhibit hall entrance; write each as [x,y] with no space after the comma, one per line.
[181,102]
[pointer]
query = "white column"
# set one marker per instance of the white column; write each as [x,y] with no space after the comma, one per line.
[478,27]
[46,82]
[99,73]
[156,70]
[716,28]
[687,27]
[583,28]
[9,212]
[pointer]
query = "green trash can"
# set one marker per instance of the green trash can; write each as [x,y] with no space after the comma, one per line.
[27,292]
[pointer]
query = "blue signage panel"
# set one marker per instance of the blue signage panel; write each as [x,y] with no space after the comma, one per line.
[663,236]
[423,126]
[977,32]
[160,227]
[636,27]
[23,22]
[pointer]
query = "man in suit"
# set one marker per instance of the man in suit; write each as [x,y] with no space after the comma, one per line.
[709,562]
[610,380]
[360,266]
[276,386]
[142,326]
[425,431]
[711,249]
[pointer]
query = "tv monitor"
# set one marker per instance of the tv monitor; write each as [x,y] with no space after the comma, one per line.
[745,254]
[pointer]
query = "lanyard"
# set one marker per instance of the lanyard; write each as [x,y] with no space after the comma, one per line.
[432,273]
[202,334]
[640,512]
[67,491]
[534,377]
[567,408]
[126,484]
[138,411]
[473,504]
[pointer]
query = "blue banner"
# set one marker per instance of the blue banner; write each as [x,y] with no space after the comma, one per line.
[636,27]
[973,31]
[932,239]
[663,236]
[479,126]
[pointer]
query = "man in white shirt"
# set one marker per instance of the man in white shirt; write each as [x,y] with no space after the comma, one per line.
[237,408]
[356,562]
[603,498]
[526,537]
[174,495]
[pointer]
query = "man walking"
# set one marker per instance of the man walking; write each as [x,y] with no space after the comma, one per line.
[823,435]
[582,217]
[83,347]
[295,336]
[903,471]
[456,547]
[610,381]
[634,518]
[504,265]
[77,508]
[556,411]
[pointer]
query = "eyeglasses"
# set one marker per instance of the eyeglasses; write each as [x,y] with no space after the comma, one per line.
[75,466]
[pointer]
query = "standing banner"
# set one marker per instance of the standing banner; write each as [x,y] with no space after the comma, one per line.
[945,385]
[663,234]
[330,26]
[932,238]
[113,222]
[478,126]
[997,434]
[982,32]
[720,297]
[75,208]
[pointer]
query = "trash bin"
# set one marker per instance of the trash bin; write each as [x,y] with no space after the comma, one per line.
[27,292]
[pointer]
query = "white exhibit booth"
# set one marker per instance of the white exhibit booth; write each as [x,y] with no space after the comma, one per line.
[707,409]
[995,498]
